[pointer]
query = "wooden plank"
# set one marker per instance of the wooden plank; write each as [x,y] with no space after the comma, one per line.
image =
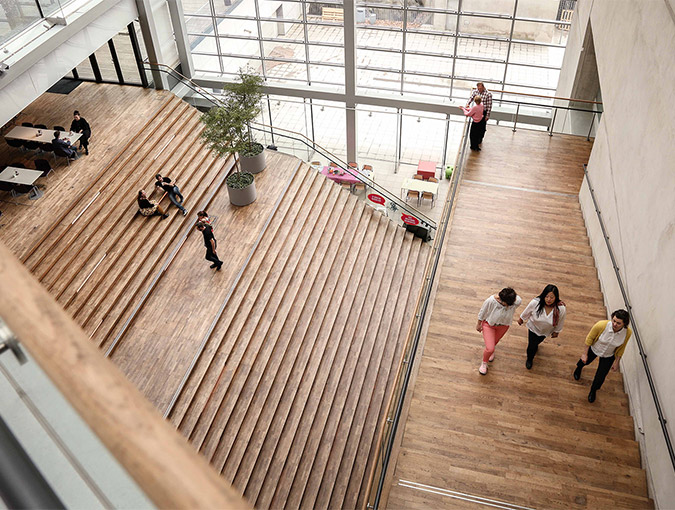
[158,458]
[527,437]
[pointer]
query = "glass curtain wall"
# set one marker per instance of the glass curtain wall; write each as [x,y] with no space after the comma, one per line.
[18,15]
[289,41]
[407,49]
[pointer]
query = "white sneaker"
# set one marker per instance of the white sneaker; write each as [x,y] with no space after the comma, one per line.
[483,368]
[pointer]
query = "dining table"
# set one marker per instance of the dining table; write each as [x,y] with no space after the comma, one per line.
[22,176]
[419,185]
[344,176]
[31,134]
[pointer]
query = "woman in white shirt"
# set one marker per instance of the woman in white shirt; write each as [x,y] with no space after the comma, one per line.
[494,319]
[545,315]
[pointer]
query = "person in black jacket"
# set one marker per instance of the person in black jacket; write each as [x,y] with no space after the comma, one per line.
[80,125]
[210,243]
[149,208]
[172,190]
[64,146]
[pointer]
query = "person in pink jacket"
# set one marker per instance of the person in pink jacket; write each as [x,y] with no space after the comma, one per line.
[476,114]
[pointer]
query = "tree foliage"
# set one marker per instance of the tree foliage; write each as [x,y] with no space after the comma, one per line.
[227,127]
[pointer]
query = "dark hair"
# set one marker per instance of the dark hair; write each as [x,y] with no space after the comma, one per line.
[202,213]
[623,315]
[544,293]
[201,224]
[57,134]
[75,113]
[158,177]
[508,295]
[140,192]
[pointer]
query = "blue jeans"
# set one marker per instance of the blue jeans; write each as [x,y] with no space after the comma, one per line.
[173,197]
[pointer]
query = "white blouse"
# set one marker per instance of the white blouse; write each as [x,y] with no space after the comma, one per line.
[496,314]
[542,324]
[608,341]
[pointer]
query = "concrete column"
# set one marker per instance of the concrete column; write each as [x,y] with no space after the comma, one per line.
[350,78]
[154,19]
[182,40]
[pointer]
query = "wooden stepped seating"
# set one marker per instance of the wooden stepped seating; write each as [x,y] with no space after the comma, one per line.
[95,265]
[59,228]
[287,395]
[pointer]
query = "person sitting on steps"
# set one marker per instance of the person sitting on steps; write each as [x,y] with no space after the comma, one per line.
[172,190]
[149,208]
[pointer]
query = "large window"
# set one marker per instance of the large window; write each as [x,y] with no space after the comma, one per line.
[405,51]
[18,15]
[422,48]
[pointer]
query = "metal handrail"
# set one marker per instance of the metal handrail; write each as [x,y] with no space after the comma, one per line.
[397,397]
[21,483]
[299,137]
[643,354]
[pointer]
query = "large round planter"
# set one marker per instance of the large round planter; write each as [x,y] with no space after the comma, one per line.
[254,164]
[244,196]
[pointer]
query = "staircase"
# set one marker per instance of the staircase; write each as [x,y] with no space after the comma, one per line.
[99,256]
[287,395]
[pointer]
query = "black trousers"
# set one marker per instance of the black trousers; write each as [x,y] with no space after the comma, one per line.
[604,365]
[84,139]
[533,342]
[476,134]
[212,257]
[481,127]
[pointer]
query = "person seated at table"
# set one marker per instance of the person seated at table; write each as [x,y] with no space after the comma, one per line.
[64,146]
[172,190]
[80,125]
[149,208]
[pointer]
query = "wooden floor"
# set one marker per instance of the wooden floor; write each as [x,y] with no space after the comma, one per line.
[516,436]
[276,368]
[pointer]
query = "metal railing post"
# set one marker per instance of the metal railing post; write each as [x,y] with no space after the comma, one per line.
[588,137]
[515,121]
[550,128]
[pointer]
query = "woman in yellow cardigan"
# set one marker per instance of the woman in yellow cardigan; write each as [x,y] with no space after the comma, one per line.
[607,340]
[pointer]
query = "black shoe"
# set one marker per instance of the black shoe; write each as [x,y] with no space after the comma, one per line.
[591,396]
[86,152]
[577,373]
[528,364]
[219,266]
[213,266]
[165,216]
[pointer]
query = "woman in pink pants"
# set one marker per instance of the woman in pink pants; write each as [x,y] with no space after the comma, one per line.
[494,319]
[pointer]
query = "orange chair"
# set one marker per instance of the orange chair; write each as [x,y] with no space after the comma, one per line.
[368,167]
[347,186]
[433,179]
[430,196]
[332,163]
[351,164]
[359,185]
[413,194]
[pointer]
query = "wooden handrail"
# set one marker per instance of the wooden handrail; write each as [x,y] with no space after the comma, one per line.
[161,461]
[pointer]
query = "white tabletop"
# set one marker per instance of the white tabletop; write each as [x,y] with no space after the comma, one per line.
[31,134]
[25,175]
[418,185]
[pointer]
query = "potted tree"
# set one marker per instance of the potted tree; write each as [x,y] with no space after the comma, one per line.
[227,132]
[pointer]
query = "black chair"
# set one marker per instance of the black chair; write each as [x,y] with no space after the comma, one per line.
[59,128]
[58,151]
[40,126]
[27,124]
[31,145]
[8,187]
[47,147]
[17,144]
[44,167]
[18,165]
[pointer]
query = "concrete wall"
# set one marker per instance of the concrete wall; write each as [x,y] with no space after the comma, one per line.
[57,52]
[631,171]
